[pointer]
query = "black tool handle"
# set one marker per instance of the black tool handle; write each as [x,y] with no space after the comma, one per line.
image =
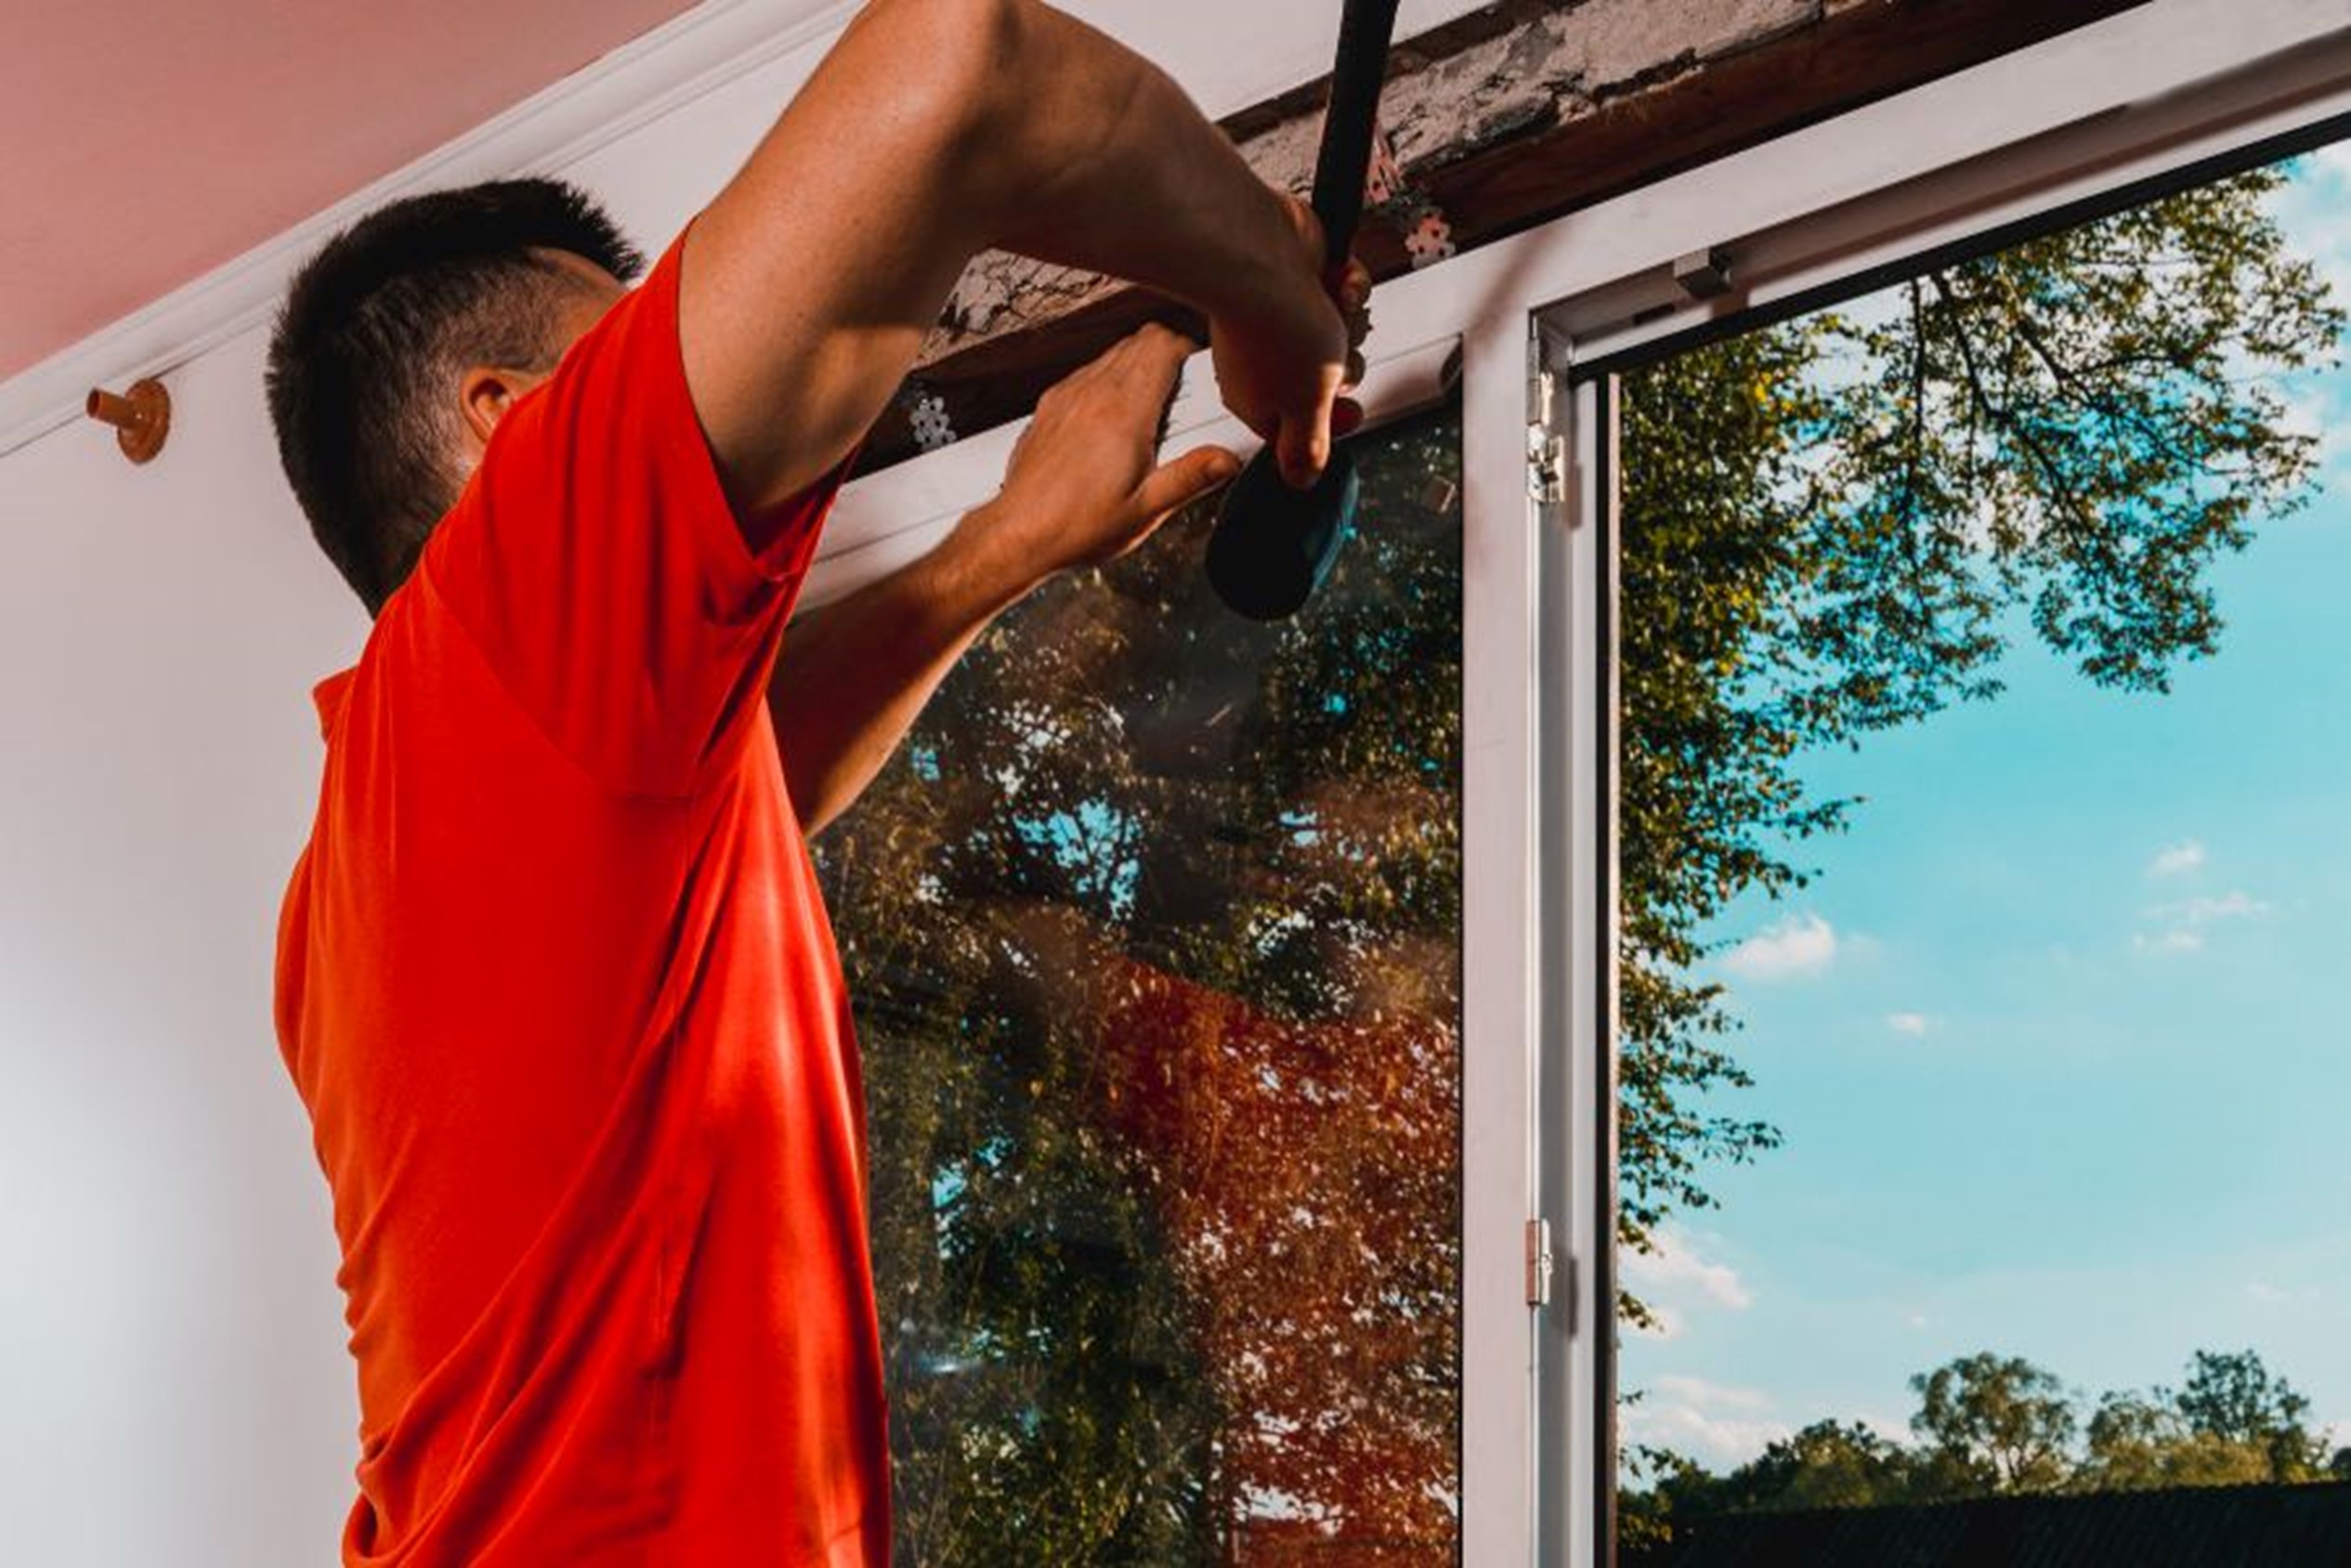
[1344,164]
[1273,546]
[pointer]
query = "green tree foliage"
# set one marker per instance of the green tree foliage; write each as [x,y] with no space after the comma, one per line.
[1838,525]
[1830,1464]
[1152,931]
[2136,1441]
[1827,1465]
[1988,1425]
[2229,1397]
[1993,1423]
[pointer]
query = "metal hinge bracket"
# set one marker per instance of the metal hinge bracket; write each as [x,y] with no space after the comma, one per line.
[1538,1263]
[1545,446]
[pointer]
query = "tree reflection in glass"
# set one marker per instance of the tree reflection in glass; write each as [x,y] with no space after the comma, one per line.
[1153,928]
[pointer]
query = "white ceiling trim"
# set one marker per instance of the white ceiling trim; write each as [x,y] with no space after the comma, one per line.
[687,58]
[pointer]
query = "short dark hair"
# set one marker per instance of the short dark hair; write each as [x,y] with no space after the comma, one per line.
[378,325]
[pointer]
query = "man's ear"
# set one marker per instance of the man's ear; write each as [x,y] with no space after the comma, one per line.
[487,392]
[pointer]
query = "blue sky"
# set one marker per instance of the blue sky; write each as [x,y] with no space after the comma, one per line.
[2060,1038]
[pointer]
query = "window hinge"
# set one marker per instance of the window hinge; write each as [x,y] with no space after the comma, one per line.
[1546,448]
[1545,465]
[1538,1263]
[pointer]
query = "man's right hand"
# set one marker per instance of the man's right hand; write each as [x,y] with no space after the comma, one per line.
[1282,351]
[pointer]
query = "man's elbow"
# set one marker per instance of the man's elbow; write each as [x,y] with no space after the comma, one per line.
[960,60]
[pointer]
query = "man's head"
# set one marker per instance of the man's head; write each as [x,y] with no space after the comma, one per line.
[402,340]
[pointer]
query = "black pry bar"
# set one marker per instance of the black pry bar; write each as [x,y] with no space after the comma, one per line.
[1344,161]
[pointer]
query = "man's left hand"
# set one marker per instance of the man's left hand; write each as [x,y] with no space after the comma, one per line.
[1084,485]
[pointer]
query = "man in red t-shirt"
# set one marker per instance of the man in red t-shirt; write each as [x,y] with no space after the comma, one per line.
[554,981]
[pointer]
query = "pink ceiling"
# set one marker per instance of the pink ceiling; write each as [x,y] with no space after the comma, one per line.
[144,143]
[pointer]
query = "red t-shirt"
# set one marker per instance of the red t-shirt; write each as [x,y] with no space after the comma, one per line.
[556,987]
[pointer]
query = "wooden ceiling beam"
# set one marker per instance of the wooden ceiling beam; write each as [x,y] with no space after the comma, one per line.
[1499,178]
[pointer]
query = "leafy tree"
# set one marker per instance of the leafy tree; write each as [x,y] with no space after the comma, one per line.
[1658,1488]
[2137,1443]
[2230,1397]
[1988,1425]
[1827,1465]
[2232,1421]
[1993,1423]
[1831,1464]
[1837,526]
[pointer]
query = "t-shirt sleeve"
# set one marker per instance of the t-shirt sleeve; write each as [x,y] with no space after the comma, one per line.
[596,562]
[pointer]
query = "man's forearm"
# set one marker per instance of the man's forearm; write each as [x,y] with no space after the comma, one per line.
[855,675]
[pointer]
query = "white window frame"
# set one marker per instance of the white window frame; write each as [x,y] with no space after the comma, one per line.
[2166,92]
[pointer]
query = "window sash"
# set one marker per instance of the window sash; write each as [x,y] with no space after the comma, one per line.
[2169,93]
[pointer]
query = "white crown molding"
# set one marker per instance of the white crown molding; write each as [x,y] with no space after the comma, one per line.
[686,57]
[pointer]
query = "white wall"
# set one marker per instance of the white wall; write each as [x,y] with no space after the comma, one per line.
[173,1386]
[172,1380]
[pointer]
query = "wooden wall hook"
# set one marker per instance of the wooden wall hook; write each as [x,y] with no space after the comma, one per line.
[141,419]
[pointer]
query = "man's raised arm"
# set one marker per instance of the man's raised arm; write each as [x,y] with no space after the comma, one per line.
[1084,486]
[936,129]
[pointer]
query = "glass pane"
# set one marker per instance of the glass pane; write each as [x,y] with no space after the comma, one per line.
[1154,931]
[1987,705]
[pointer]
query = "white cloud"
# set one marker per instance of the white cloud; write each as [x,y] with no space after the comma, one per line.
[1675,1281]
[1797,948]
[2309,209]
[2169,942]
[1893,1429]
[2184,921]
[2271,1296]
[2316,406]
[2178,859]
[1718,1425]
[2204,912]
[1914,1024]
[1719,1396]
